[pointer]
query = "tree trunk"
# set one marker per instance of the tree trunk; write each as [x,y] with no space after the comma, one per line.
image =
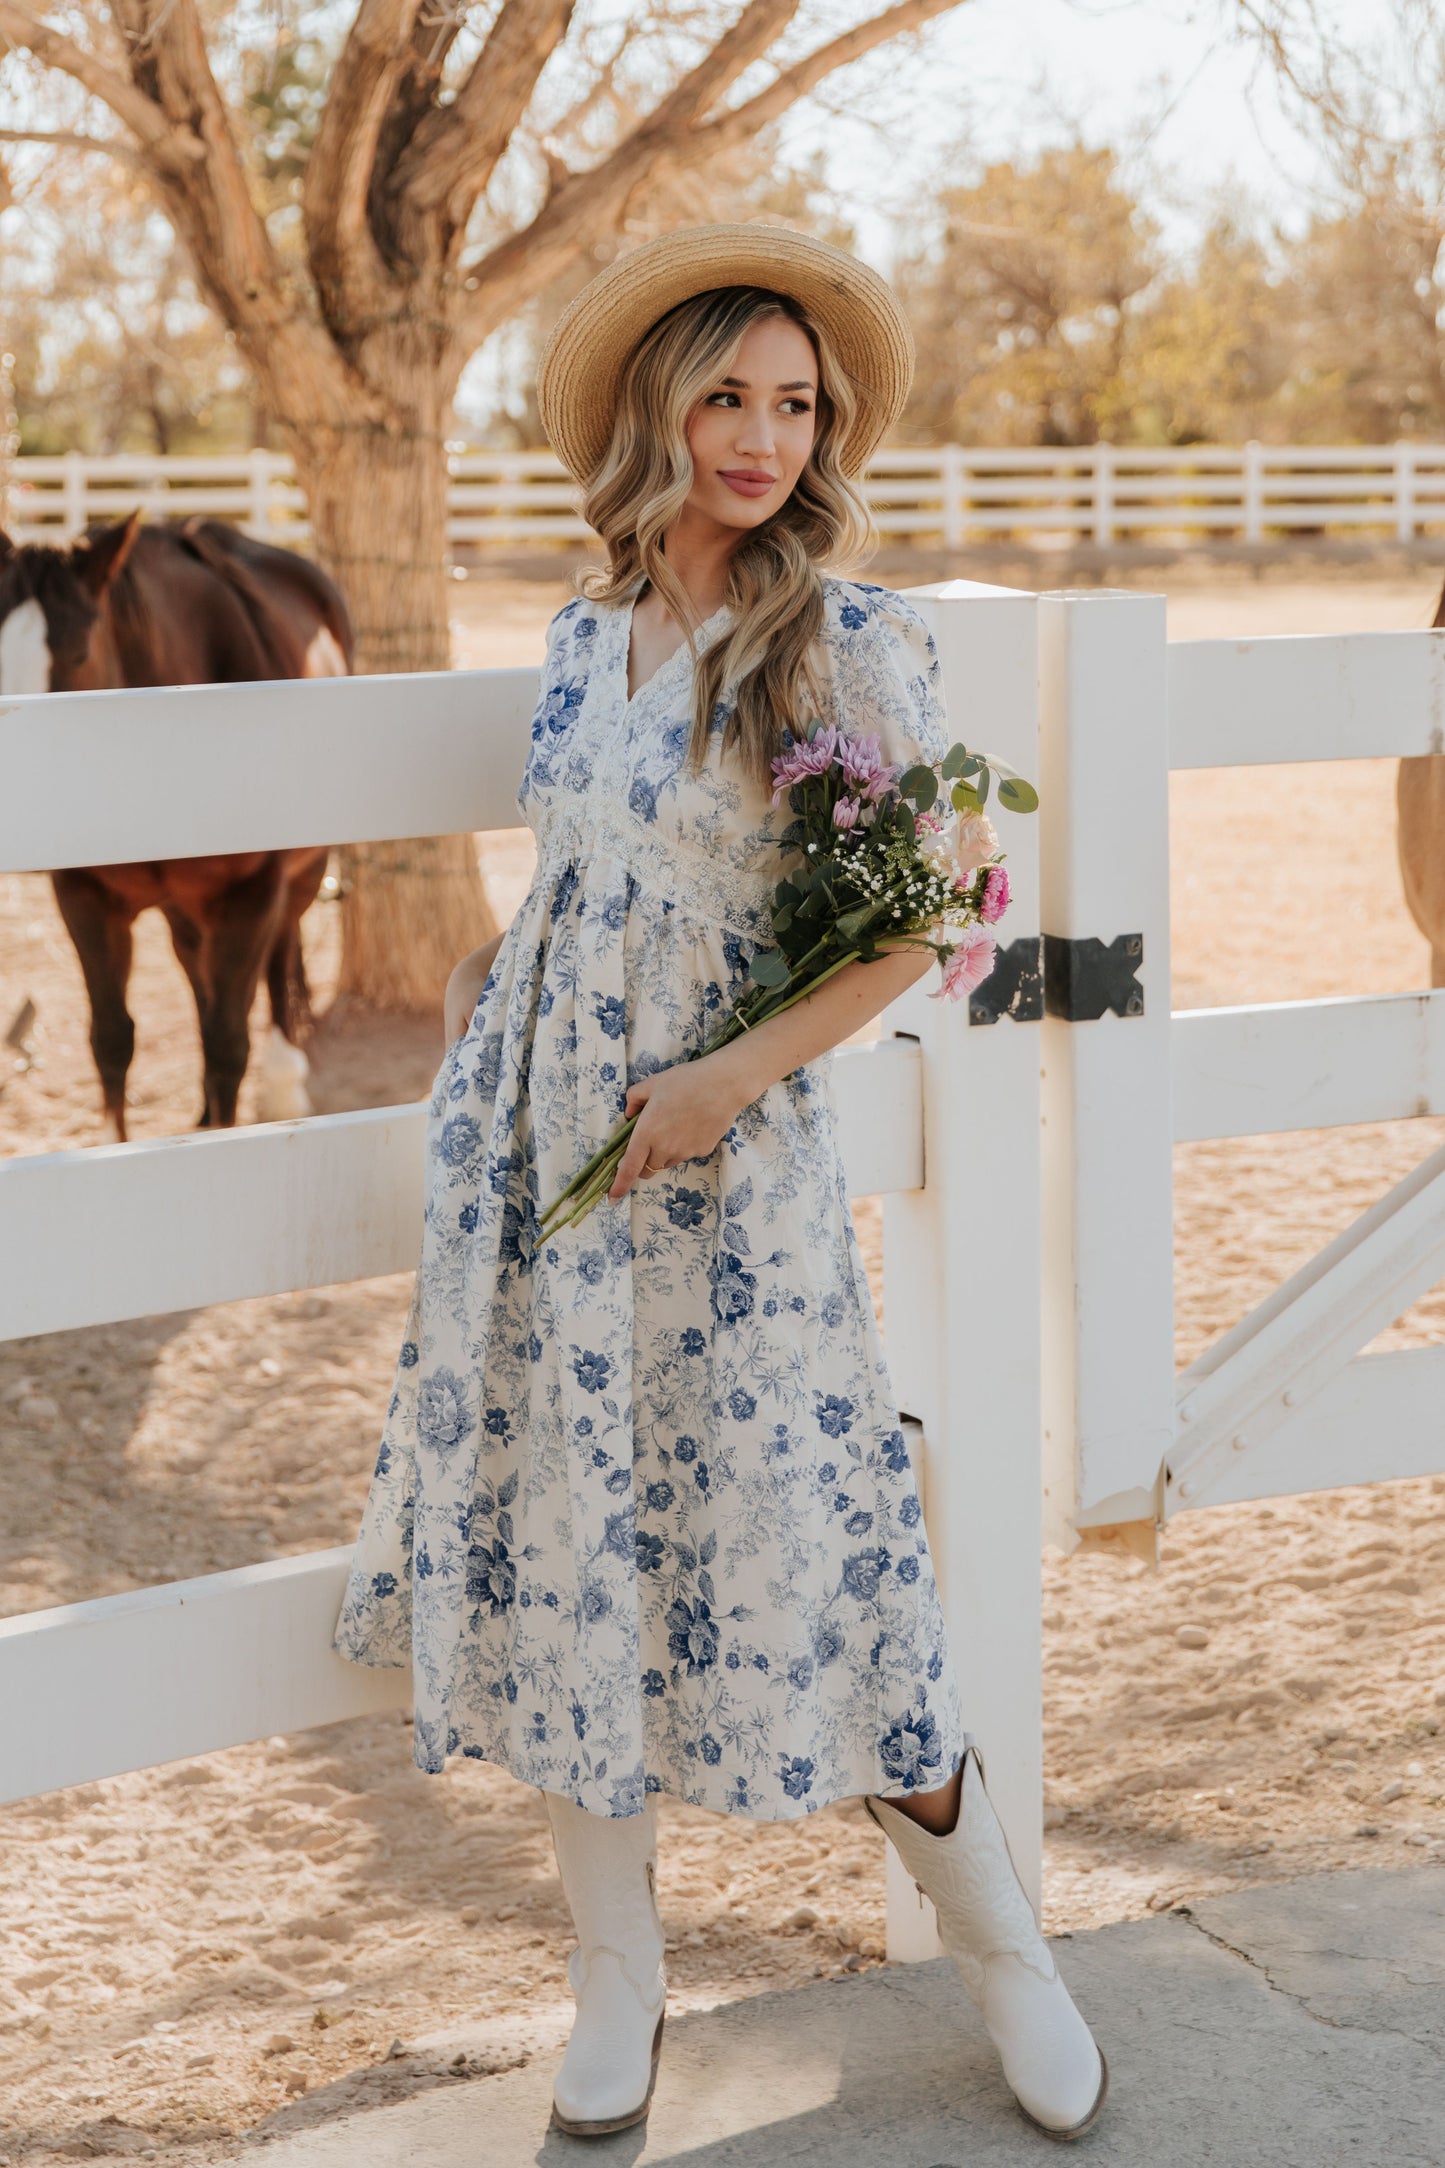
[377,501]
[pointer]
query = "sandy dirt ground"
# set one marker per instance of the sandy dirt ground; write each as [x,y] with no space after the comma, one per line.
[265,1937]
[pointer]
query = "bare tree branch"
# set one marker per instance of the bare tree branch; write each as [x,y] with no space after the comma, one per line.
[676,134]
[172,148]
[455,150]
[66,139]
[215,210]
[186,144]
[351,277]
[795,82]
[438,25]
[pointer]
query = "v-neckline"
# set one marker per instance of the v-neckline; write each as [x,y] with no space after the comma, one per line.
[630,700]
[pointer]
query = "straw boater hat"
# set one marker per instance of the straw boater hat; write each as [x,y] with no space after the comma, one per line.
[580,375]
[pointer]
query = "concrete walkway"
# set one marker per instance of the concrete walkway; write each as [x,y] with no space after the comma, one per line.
[1298,2026]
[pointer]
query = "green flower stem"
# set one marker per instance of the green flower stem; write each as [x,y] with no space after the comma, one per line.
[586,1186]
[592,1182]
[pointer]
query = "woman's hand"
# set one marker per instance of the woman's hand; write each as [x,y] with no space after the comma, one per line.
[464,986]
[683,1114]
[686,1111]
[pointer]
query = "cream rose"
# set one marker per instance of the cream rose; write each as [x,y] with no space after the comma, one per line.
[976,842]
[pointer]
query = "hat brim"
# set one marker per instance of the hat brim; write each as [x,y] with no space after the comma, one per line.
[579,377]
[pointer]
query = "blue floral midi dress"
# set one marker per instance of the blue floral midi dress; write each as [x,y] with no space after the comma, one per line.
[643,1518]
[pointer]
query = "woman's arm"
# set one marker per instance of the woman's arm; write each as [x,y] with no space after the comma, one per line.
[465,984]
[687,1109]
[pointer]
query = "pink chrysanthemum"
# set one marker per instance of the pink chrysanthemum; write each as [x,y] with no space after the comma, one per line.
[969,965]
[860,759]
[994,901]
[846,814]
[813,757]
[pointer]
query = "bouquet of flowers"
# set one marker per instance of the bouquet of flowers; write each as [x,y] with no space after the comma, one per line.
[881,866]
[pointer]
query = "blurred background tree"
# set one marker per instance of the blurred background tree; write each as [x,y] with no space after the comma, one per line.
[1211,348]
[1021,306]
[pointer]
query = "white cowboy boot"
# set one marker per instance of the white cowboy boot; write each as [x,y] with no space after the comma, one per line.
[988,1927]
[609,1874]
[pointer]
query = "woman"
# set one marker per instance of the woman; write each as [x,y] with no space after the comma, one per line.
[643,1518]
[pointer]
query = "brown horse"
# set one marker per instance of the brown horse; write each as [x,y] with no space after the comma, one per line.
[1420,840]
[194,603]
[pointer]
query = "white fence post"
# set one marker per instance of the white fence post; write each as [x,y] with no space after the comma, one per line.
[1103,492]
[954,474]
[258,479]
[1252,490]
[1404,492]
[1108,1334]
[961,1271]
[73,513]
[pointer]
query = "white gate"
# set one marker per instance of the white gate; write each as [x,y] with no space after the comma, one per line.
[123,1682]
[1284,1403]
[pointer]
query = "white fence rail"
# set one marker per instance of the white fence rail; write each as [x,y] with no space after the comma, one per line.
[306,1203]
[1025,1165]
[950,495]
[165,1672]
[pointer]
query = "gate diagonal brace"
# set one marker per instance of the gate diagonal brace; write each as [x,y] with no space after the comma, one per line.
[1014,987]
[1086,977]
[1248,1385]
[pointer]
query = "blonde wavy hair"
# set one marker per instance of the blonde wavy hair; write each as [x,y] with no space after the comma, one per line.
[774,585]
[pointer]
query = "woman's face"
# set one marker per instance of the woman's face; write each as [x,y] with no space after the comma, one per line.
[751,436]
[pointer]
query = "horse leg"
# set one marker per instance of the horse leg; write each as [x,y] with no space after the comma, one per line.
[284,1096]
[241,929]
[187,941]
[99,924]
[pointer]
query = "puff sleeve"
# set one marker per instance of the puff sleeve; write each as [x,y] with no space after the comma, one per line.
[886,677]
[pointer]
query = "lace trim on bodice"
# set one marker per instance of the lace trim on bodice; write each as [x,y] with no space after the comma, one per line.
[695,884]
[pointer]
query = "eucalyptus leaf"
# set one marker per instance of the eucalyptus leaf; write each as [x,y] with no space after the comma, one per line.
[920,784]
[1017,795]
[953,760]
[985,777]
[768,968]
[966,799]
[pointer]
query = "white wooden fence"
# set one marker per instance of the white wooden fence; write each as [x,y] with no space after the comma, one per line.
[949,494]
[1025,1163]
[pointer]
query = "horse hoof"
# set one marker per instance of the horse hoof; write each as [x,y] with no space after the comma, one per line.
[284,1069]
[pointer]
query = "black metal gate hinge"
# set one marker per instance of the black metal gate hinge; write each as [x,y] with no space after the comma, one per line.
[1014,987]
[1084,978]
